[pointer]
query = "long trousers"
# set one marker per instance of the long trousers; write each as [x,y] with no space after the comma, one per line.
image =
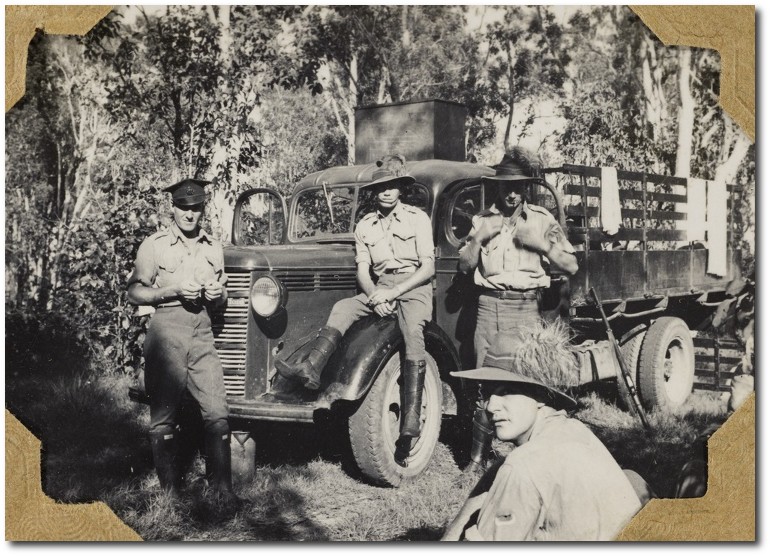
[414,309]
[498,315]
[180,357]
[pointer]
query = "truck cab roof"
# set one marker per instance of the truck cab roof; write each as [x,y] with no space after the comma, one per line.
[435,174]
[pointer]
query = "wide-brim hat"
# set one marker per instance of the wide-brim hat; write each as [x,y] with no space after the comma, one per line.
[519,383]
[391,169]
[537,358]
[518,165]
[188,192]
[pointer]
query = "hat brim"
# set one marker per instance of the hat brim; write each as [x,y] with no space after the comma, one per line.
[494,374]
[397,181]
[190,201]
[504,178]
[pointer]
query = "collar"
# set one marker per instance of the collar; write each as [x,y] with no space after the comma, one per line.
[521,210]
[395,213]
[177,235]
[545,416]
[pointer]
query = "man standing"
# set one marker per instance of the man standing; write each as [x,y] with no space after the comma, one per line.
[395,264]
[559,483]
[180,271]
[505,250]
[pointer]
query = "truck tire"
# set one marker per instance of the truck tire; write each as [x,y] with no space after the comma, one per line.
[630,351]
[374,426]
[666,364]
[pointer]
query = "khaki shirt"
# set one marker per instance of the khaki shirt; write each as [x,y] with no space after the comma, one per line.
[400,241]
[561,485]
[504,264]
[165,259]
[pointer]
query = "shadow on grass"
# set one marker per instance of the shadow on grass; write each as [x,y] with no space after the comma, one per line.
[660,455]
[420,534]
[92,437]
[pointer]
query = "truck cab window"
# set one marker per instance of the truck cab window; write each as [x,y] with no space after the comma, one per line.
[466,205]
[323,212]
[416,195]
[260,220]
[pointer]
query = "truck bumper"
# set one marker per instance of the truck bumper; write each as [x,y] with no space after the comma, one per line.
[259,410]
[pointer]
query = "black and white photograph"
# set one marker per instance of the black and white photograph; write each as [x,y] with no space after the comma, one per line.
[377,272]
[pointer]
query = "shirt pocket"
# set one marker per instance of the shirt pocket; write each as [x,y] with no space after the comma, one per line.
[492,256]
[206,268]
[405,243]
[170,261]
[377,244]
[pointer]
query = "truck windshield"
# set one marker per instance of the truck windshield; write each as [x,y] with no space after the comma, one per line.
[331,212]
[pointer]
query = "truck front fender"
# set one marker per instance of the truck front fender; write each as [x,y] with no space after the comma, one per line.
[366,348]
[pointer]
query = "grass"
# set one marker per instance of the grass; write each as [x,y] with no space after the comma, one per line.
[96,448]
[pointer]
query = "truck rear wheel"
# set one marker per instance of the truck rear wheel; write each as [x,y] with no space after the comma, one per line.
[666,364]
[630,351]
[374,427]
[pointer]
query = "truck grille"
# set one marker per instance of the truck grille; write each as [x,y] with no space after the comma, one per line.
[231,333]
[315,280]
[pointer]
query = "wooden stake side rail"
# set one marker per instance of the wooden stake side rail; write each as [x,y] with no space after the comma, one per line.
[715,361]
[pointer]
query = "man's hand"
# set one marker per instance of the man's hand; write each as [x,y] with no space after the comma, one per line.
[385,309]
[190,290]
[383,295]
[489,228]
[213,290]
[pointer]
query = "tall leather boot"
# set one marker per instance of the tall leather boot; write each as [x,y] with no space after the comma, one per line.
[413,374]
[164,455]
[482,434]
[217,440]
[308,370]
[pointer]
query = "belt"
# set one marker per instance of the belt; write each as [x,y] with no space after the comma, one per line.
[511,294]
[405,270]
[190,306]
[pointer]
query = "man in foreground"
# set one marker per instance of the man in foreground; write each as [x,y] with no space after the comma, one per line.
[559,483]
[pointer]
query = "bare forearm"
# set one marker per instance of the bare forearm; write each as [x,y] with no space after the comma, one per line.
[364,278]
[469,256]
[139,294]
[465,518]
[421,276]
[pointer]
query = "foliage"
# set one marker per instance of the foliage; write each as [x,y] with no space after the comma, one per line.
[252,96]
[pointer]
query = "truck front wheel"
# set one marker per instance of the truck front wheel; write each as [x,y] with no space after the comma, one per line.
[374,427]
[666,364]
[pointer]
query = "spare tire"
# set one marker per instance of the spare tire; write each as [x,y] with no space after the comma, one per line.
[666,364]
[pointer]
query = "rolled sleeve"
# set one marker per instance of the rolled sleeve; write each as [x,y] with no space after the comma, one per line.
[424,237]
[362,252]
[220,269]
[145,266]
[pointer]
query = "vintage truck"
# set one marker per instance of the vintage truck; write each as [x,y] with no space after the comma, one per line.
[291,260]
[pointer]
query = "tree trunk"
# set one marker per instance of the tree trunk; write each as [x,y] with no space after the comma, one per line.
[350,109]
[511,96]
[686,115]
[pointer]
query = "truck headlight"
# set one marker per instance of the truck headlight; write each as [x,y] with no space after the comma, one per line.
[268,296]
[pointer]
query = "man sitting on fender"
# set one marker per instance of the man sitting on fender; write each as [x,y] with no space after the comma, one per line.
[395,258]
[505,250]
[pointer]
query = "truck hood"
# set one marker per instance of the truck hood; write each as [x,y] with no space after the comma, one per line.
[274,257]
